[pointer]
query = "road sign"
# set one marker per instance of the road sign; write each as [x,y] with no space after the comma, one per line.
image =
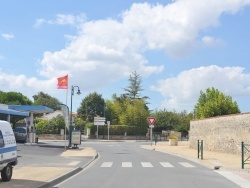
[151,120]
[99,120]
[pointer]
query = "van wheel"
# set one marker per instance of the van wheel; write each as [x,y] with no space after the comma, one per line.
[6,173]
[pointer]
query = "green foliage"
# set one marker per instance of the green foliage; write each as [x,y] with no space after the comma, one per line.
[46,100]
[80,125]
[214,103]
[52,126]
[114,130]
[91,106]
[172,136]
[88,125]
[134,88]
[14,98]
[131,112]
[177,121]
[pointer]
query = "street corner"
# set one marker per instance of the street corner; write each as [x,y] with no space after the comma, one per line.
[79,152]
[34,176]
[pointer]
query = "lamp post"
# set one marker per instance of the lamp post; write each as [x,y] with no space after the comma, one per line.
[71,123]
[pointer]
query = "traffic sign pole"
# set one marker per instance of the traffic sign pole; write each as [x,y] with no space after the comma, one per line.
[151,121]
[151,134]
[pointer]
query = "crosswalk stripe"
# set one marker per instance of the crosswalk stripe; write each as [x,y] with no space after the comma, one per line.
[166,164]
[186,165]
[73,163]
[106,164]
[126,164]
[146,164]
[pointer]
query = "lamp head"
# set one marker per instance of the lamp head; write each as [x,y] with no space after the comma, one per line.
[78,92]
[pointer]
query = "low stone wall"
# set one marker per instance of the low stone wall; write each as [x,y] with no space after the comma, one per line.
[51,137]
[221,134]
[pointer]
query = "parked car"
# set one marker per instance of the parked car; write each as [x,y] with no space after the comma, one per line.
[8,150]
[21,134]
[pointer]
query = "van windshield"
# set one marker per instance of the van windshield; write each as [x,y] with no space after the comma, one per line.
[20,130]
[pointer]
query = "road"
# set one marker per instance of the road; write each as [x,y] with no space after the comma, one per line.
[126,165]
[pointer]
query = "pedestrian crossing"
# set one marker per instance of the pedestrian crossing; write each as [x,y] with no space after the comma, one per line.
[147,164]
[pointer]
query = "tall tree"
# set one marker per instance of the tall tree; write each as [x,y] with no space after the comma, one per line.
[215,103]
[134,88]
[91,106]
[46,100]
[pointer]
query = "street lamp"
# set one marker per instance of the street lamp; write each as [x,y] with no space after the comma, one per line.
[71,123]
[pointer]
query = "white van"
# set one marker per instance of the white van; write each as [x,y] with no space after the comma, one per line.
[8,150]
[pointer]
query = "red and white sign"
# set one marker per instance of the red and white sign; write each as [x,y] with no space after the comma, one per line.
[151,120]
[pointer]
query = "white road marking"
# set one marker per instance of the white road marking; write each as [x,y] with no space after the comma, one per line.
[166,164]
[73,163]
[126,164]
[107,164]
[186,164]
[146,164]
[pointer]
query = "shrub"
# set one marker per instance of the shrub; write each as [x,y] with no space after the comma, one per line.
[172,136]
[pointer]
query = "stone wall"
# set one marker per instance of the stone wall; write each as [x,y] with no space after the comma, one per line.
[221,134]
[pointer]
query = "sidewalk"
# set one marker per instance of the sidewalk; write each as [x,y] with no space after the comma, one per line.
[39,176]
[225,162]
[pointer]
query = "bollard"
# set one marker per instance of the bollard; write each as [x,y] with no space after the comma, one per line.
[200,149]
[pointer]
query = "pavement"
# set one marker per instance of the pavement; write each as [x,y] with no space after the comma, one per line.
[45,175]
[33,176]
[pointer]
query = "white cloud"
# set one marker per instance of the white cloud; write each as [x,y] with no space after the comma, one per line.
[62,19]
[20,83]
[211,42]
[113,49]
[7,36]
[183,91]
[107,50]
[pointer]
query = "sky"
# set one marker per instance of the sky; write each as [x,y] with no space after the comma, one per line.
[179,48]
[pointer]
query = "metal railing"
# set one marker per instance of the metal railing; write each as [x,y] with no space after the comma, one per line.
[244,150]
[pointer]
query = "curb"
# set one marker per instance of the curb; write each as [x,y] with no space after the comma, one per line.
[67,175]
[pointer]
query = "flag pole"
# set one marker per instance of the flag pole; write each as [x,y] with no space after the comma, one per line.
[65,129]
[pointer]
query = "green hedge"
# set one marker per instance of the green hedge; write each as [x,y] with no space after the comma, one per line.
[115,130]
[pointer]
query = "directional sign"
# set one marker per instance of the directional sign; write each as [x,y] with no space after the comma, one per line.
[99,120]
[151,120]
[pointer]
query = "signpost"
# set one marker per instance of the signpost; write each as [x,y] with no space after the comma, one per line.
[108,122]
[151,121]
[99,121]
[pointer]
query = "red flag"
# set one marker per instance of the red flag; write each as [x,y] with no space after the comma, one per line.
[62,82]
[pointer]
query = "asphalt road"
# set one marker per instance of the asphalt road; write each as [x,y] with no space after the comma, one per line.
[45,154]
[126,165]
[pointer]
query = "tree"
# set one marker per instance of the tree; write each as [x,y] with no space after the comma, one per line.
[91,106]
[14,98]
[215,103]
[134,88]
[46,100]
[172,120]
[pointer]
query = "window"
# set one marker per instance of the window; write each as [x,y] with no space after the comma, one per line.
[1,140]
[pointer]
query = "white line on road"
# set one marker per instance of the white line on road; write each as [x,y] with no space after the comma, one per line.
[126,164]
[146,164]
[73,163]
[107,164]
[186,165]
[166,164]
